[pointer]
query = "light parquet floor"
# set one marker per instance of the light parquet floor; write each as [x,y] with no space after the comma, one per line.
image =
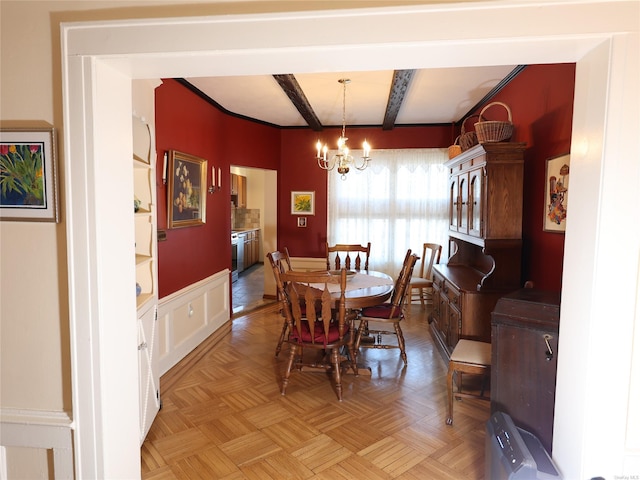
[223,417]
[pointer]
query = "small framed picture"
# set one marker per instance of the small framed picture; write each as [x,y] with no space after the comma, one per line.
[28,175]
[556,198]
[303,203]
[302,221]
[187,190]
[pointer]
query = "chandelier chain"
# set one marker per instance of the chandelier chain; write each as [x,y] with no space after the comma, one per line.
[344,82]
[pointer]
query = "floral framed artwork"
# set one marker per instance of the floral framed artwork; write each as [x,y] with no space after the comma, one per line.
[28,175]
[187,181]
[556,198]
[303,203]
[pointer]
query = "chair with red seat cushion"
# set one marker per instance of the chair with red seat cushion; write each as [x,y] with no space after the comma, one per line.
[391,312]
[324,330]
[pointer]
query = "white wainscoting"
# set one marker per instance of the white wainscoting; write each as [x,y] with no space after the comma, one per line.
[187,317]
[42,430]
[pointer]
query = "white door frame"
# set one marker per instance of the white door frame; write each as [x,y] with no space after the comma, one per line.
[99,60]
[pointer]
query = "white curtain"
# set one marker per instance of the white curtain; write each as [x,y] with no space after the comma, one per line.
[399,202]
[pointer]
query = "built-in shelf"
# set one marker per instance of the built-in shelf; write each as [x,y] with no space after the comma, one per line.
[144,215]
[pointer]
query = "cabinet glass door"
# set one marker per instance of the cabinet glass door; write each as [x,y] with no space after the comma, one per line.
[475,203]
[453,204]
[464,204]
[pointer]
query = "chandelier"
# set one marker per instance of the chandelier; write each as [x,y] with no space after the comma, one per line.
[342,159]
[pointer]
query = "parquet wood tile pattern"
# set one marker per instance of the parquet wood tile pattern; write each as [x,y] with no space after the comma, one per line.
[223,416]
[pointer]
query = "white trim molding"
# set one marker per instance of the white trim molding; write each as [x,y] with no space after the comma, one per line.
[100,58]
[42,430]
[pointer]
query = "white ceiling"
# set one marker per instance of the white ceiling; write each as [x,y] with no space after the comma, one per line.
[442,95]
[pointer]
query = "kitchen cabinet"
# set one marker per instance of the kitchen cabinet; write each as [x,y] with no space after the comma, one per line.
[251,242]
[246,239]
[239,190]
[255,247]
[485,242]
[524,337]
[146,270]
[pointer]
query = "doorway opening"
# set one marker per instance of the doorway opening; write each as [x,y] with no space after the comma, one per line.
[253,222]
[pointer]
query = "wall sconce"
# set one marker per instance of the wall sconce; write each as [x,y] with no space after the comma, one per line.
[212,187]
[164,168]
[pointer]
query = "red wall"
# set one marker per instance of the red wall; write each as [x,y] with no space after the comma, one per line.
[541,101]
[300,172]
[187,123]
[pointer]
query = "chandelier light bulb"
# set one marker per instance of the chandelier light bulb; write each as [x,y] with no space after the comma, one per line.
[367,148]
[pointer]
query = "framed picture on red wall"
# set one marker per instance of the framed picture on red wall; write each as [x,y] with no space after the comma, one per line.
[187,188]
[303,203]
[556,198]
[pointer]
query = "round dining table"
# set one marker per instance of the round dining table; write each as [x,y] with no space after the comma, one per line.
[367,292]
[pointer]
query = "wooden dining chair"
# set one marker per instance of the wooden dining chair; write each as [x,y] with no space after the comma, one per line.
[390,312]
[325,330]
[421,285]
[339,256]
[280,263]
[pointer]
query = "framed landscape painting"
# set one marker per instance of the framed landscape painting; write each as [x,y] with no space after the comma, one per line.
[187,190]
[303,203]
[28,175]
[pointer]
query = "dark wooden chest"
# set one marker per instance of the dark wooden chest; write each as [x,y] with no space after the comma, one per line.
[524,337]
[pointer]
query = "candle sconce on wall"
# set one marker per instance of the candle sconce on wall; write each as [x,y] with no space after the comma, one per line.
[213,187]
[165,160]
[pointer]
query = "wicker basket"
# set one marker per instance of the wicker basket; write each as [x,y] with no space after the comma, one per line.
[490,131]
[455,149]
[468,139]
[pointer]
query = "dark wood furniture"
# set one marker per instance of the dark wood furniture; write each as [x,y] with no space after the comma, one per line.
[485,242]
[524,336]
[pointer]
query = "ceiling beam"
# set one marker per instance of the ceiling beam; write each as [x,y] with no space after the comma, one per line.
[397,92]
[493,92]
[291,87]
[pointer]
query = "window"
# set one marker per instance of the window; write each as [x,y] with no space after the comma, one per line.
[400,201]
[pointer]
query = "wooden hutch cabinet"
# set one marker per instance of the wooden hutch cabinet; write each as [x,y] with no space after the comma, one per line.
[485,242]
